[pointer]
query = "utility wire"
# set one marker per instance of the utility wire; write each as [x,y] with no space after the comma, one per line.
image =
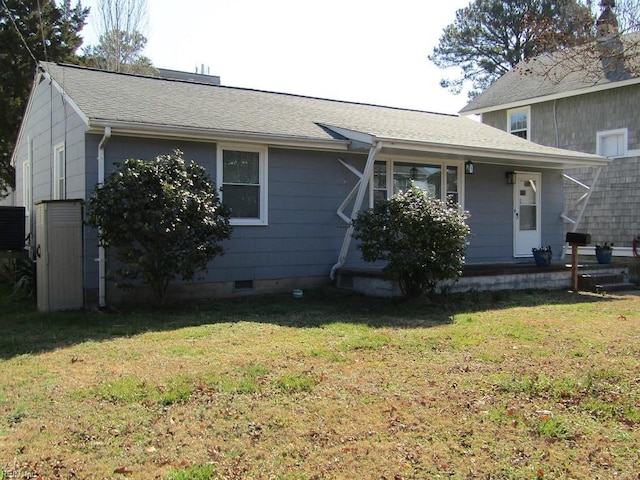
[4,4]
[44,42]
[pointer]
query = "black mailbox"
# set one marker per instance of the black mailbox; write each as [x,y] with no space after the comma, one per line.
[576,238]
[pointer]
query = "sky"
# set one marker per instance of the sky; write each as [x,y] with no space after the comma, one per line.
[369,51]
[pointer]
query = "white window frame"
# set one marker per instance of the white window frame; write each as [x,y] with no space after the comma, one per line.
[513,111]
[601,135]
[443,164]
[262,219]
[59,172]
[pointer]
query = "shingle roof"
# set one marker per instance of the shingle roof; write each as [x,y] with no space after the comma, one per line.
[564,73]
[105,97]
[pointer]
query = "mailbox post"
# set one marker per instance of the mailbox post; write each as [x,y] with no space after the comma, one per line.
[576,240]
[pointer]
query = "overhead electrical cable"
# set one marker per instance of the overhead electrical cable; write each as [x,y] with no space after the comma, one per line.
[44,41]
[4,4]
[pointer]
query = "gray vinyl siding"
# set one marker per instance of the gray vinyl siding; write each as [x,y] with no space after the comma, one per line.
[8,200]
[573,123]
[489,200]
[51,121]
[304,234]
[552,204]
[117,150]
[496,119]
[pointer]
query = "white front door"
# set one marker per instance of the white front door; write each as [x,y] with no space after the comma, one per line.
[526,214]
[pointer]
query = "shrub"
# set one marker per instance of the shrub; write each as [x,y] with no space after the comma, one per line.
[421,237]
[20,274]
[163,218]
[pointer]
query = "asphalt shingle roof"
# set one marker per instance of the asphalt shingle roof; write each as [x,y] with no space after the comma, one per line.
[569,72]
[139,100]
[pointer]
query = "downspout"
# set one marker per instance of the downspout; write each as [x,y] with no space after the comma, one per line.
[101,252]
[364,184]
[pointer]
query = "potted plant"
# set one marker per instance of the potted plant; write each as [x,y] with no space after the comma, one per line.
[542,256]
[604,252]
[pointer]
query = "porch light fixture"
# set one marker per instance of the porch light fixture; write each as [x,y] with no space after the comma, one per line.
[511,178]
[413,173]
[468,167]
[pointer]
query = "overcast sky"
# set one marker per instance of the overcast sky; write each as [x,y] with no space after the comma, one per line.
[369,51]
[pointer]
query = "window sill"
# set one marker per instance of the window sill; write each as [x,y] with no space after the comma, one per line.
[248,222]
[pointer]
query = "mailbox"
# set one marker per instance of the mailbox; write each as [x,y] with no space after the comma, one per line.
[576,238]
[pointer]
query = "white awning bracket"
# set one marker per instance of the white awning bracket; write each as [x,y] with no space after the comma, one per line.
[584,200]
[361,187]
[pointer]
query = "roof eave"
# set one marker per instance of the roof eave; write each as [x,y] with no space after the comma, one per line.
[548,98]
[148,130]
[500,156]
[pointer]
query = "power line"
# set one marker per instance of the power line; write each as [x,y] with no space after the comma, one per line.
[4,4]
[44,42]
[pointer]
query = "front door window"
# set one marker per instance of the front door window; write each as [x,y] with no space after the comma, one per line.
[526,213]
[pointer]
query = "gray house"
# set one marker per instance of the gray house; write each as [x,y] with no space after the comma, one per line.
[315,164]
[587,101]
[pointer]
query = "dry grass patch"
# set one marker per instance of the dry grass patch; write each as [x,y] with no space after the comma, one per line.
[521,385]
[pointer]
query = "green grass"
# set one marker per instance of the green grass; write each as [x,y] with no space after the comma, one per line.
[202,472]
[507,385]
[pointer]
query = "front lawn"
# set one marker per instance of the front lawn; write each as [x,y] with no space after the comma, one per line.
[541,385]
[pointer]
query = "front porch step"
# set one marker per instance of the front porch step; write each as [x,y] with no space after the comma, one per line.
[496,276]
[604,283]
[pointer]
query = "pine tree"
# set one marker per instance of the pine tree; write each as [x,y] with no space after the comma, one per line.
[489,37]
[30,31]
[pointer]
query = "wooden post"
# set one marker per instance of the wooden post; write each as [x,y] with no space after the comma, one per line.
[574,267]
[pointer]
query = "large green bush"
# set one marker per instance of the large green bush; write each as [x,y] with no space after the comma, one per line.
[422,238]
[163,218]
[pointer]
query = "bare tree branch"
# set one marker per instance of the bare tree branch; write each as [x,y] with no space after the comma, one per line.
[121,26]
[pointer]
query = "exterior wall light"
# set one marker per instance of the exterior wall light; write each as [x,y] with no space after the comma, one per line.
[468,167]
[511,178]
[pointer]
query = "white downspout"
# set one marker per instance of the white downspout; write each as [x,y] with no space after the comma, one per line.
[101,253]
[364,184]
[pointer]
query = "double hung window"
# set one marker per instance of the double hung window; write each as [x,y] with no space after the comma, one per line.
[242,175]
[518,122]
[59,172]
[612,143]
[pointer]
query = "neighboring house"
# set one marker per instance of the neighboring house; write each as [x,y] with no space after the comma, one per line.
[589,103]
[305,159]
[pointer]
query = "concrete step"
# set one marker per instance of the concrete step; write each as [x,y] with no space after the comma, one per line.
[588,281]
[603,283]
[613,287]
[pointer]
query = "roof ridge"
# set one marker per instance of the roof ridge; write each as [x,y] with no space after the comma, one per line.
[247,89]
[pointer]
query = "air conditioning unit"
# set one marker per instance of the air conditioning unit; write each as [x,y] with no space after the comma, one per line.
[12,229]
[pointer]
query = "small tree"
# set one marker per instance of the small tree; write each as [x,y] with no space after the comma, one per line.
[163,218]
[121,26]
[421,237]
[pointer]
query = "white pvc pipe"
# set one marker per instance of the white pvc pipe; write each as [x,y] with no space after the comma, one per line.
[101,253]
